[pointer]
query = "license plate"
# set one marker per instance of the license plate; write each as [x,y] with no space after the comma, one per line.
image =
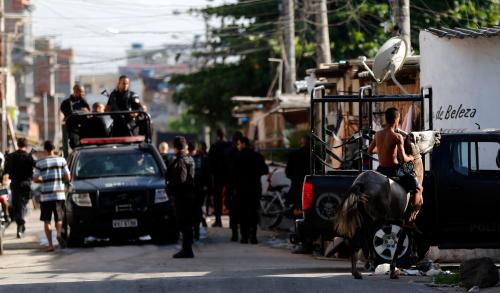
[126,223]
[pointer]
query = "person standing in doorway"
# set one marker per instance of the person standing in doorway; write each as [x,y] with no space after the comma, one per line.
[180,186]
[52,173]
[19,169]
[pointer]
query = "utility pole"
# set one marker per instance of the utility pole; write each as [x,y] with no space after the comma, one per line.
[289,42]
[405,24]
[323,54]
[401,14]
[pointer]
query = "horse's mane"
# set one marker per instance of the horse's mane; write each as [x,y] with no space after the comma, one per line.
[418,165]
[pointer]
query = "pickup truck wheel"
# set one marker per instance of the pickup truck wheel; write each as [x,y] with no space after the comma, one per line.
[270,212]
[384,243]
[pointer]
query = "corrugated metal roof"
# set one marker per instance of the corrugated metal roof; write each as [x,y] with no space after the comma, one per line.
[462,33]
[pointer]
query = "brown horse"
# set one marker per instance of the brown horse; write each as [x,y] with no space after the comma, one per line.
[374,198]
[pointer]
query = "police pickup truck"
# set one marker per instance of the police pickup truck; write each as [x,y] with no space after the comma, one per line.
[461,184]
[117,190]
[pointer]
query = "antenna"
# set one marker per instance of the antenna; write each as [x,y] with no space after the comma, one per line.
[389,59]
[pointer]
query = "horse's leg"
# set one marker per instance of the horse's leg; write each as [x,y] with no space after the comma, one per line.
[399,248]
[354,259]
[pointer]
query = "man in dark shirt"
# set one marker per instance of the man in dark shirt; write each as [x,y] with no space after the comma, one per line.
[216,162]
[19,169]
[250,166]
[76,103]
[229,195]
[180,187]
[297,167]
[123,99]
[201,179]
[95,126]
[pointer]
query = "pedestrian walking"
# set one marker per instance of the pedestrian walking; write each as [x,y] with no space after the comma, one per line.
[180,187]
[52,172]
[216,159]
[19,170]
[250,166]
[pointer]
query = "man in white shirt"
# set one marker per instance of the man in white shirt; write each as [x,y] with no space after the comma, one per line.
[52,172]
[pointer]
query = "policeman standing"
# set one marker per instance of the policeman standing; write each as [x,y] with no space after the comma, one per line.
[123,99]
[249,168]
[180,187]
[229,195]
[76,103]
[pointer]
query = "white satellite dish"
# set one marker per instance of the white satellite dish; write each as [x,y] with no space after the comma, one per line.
[389,59]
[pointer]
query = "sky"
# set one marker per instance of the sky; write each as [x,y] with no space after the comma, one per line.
[100,31]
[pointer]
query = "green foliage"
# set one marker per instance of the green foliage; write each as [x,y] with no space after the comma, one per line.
[185,123]
[295,136]
[250,33]
[448,279]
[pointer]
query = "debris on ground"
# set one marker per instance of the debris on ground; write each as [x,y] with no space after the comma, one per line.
[383,269]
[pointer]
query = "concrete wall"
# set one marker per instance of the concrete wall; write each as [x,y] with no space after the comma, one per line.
[465,78]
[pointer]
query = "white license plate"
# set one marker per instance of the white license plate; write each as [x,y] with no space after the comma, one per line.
[126,223]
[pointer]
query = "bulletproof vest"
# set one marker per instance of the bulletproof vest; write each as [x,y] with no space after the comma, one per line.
[124,101]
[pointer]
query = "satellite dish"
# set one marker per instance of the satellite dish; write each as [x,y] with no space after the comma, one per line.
[389,59]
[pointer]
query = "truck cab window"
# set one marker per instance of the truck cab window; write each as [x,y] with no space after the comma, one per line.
[461,157]
[483,157]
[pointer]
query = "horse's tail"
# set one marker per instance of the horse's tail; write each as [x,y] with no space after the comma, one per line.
[348,218]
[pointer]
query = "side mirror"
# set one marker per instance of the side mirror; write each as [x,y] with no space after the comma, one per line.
[498,158]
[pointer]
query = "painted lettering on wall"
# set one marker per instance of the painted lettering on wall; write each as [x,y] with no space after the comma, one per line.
[455,112]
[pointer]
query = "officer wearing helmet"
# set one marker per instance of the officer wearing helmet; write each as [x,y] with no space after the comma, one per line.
[123,99]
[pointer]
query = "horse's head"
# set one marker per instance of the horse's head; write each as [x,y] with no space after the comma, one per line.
[424,141]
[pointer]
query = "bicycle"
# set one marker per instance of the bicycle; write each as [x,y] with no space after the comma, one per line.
[272,204]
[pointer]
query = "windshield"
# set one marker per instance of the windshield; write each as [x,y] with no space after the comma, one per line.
[130,163]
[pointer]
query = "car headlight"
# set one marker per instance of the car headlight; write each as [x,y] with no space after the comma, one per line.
[82,199]
[160,195]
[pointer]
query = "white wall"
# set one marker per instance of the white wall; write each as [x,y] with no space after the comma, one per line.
[465,78]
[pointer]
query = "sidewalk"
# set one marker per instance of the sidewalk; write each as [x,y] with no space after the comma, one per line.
[30,239]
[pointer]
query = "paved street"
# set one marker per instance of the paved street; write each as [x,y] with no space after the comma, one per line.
[219,266]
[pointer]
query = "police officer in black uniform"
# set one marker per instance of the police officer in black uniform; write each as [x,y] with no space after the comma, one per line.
[180,187]
[249,167]
[123,99]
[76,103]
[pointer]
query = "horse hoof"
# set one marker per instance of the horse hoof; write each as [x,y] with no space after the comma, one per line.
[394,275]
[357,275]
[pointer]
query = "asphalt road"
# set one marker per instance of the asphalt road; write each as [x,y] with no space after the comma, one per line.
[218,266]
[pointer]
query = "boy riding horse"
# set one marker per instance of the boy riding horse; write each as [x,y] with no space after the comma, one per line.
[389,145]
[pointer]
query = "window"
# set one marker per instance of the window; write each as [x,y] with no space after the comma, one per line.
[460,151]
[476,157]
[484,155]
[133,163]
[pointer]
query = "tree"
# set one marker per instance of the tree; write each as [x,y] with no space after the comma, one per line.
[237,51]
